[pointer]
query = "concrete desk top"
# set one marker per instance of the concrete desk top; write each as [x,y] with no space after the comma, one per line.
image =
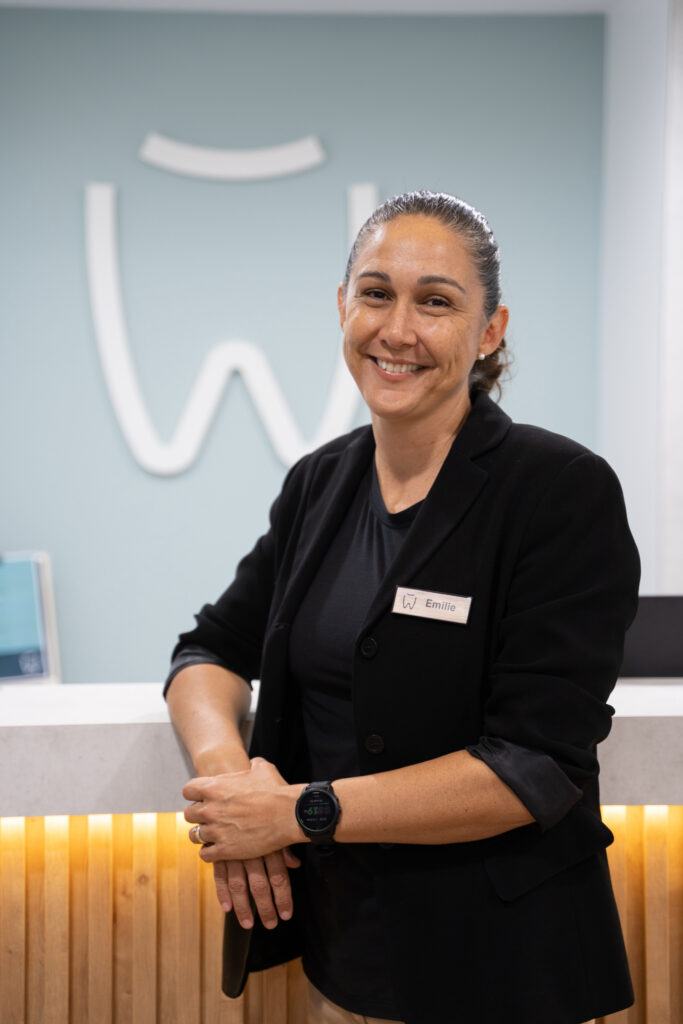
[110,748]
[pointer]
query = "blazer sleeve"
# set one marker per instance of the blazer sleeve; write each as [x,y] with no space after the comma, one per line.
[231,631]
[559,646]
[191,654]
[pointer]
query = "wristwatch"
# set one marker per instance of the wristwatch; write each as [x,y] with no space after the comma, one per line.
[318,811]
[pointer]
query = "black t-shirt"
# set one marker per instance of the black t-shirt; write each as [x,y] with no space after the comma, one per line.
[345,955]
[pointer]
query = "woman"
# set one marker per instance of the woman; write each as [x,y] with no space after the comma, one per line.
[437,617]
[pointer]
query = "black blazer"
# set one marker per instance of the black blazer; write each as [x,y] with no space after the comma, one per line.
[522,927]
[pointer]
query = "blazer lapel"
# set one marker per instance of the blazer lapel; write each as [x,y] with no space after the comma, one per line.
[452,494]
[457,486]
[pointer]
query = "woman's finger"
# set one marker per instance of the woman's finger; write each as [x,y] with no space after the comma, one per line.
[239,893]
[196,813]
[291,859]
[260,887]
[278,876]
[195,789]
[220,877]
[276,867]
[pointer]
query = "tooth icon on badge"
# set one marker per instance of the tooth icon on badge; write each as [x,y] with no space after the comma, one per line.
[236,355]
[409,600]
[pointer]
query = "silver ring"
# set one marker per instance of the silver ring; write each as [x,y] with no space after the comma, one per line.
[196,835]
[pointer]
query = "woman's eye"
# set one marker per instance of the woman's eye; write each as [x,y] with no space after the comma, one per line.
[437,301]
[375,293]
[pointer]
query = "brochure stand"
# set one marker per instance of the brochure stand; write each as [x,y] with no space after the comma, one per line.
[28,632]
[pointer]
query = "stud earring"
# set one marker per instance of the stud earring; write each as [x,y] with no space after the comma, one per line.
[482,355]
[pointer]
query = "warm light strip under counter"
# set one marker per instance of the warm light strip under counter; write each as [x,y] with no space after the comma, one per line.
[113,917]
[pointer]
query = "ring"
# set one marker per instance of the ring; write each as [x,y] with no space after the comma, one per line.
[196,836]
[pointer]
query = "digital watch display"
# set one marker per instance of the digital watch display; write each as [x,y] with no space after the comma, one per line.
[318,811]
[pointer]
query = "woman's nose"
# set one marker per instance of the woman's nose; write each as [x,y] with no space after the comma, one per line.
[398,329]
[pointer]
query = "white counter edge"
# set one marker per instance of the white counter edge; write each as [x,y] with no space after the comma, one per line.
[110,748]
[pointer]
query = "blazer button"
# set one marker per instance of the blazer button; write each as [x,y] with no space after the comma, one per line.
[374,744]
[368,647]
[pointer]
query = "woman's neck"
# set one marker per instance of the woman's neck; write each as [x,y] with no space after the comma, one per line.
[408,459]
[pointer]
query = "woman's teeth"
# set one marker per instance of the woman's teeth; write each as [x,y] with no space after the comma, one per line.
[396,367]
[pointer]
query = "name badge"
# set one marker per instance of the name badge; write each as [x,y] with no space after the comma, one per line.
[429,605]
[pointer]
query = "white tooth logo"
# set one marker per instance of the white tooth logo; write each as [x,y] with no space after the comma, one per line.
[226,358]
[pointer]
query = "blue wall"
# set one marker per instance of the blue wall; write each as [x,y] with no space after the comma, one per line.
[503,111]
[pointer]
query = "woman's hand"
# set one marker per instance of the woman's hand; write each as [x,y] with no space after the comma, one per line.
[244,814]
[247,822]
[266,878]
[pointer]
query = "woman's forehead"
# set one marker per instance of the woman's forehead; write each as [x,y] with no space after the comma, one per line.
[414,239]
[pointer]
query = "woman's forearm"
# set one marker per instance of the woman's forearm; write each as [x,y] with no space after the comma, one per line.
[207,704]
[451,799]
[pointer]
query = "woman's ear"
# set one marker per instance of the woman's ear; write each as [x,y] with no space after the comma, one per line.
[341,303]
[495,330]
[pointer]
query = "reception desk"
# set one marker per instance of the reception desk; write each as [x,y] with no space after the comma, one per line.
[107,914]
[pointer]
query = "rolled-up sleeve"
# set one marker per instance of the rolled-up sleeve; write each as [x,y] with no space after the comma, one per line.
[191,654]
[558,649]
[539,782]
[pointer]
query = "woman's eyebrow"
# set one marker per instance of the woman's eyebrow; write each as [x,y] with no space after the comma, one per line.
[374,273]
[438,279]
[427,279]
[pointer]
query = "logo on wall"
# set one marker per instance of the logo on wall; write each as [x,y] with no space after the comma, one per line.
[167,458]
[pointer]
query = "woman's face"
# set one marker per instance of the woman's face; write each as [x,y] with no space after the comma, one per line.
[413,322]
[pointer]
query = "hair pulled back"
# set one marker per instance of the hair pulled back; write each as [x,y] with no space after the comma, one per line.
[473,228]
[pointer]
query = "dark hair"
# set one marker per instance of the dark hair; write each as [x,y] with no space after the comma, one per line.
[473,229]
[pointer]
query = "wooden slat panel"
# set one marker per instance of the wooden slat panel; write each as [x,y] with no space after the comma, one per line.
[56,900]
[253,999]
[615,818]
[167,918]
[657,960]
[211,917]
[35,920]
[633,922]
[216,1008]
[675,842]
[275,995]
[117,921]
[78,920]
[144,944]
[189,937]
[12,920]
[232,1011]
[297,993]
[122,876]
[100,918]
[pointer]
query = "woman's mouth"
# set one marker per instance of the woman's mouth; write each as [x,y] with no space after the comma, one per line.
[396,367]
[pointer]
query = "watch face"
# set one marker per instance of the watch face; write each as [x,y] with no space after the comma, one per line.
[317,810]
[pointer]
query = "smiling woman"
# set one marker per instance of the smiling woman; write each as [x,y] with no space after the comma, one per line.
[413,312]
[472,229]
[437,617]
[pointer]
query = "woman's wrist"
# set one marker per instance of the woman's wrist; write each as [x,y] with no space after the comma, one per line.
[228,757]
[296,833]
[317,812]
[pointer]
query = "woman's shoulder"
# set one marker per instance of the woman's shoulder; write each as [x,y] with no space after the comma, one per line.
[529,442]
[356,444]
[359,438]
[540,442]
[537,455]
